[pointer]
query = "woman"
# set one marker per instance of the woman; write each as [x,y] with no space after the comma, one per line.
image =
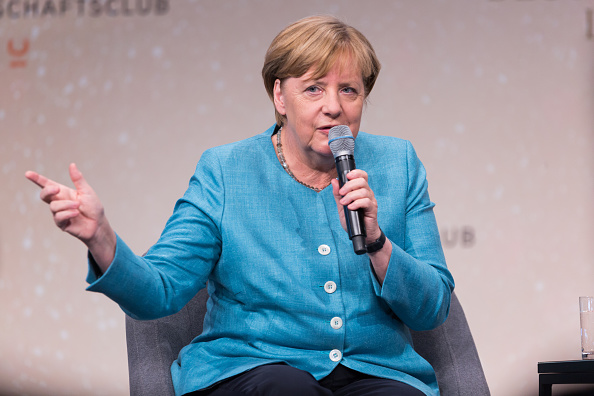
[292,309]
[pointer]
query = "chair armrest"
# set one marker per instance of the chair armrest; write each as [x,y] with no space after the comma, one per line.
[153,345]
[450,349]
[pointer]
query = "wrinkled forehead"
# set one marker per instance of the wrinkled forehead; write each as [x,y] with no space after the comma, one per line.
[343,63]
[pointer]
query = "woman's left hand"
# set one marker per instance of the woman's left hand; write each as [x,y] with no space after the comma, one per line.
[356,194]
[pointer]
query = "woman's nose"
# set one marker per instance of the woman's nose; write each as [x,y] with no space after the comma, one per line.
[332,106]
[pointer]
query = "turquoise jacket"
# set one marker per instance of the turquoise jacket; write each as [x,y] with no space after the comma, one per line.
[284,282]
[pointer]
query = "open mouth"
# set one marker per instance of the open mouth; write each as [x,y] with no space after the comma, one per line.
[326,128]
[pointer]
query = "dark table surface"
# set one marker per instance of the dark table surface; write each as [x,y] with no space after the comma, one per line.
[567,366]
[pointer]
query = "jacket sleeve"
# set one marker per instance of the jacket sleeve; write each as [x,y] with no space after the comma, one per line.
[418,284]
[162,281]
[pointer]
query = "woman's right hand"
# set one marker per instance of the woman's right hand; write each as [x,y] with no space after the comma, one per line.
[80,213]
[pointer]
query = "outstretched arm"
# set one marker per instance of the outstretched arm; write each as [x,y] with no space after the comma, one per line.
[80,213]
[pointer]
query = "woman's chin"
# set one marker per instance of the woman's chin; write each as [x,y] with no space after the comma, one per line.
[325,151]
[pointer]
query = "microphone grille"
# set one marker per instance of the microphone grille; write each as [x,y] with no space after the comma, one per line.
[341,141]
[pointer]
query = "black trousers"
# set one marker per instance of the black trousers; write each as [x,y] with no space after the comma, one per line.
[283,380]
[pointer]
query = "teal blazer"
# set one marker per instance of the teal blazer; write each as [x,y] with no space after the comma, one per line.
[284,282]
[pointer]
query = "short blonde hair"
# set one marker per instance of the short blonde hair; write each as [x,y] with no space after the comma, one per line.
[317,41]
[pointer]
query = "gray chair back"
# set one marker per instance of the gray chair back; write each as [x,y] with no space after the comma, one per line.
[153,346]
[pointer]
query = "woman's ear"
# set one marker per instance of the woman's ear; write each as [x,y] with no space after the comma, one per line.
[279,99]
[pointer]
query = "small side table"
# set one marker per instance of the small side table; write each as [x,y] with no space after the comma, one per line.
[564,372]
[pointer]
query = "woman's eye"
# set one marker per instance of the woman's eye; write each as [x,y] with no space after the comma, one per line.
[349,90]
[312,89]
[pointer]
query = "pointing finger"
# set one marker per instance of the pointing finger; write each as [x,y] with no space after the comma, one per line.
[36,178]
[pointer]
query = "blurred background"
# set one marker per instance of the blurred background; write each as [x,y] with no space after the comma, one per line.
[496,96]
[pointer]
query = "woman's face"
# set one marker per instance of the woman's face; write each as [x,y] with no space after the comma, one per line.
[313,106]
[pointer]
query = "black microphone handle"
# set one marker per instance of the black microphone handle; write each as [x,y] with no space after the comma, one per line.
[354,218]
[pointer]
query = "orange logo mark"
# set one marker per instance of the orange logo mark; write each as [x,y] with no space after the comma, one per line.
[20,52]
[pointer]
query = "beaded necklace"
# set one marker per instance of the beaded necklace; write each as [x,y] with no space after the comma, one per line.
[281,158]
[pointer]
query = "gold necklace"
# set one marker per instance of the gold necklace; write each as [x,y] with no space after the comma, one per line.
[281,158]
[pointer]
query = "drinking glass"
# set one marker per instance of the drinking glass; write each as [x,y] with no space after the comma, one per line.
[587,326]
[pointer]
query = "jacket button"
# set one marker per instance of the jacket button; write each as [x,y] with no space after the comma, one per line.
[336,323]
[324,250]
[335,355]
[330,287]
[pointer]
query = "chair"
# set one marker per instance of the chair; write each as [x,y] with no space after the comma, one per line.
[153,345]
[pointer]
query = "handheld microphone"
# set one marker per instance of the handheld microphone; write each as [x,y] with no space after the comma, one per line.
[342,145]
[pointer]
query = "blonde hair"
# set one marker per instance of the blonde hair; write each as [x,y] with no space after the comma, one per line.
[319,42]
